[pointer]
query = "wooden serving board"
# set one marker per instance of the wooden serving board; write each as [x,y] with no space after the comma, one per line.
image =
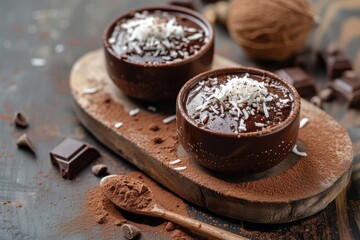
[296,188]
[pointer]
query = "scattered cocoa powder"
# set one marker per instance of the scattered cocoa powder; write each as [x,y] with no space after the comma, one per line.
[98,206]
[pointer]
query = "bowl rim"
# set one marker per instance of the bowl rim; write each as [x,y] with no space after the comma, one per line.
[180,101]
[182,10]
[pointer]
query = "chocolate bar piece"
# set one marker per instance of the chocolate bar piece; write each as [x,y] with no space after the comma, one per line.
[348,86]
[71,156]
[335,61]
[299,79]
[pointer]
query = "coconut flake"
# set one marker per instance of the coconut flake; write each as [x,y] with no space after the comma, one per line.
[118,125]
[174,161]
[265,110]
[180,168]
[134,112]
[303,122]
[38,62]
[152,108]
[296,151]
[214,110]
[259,124]
[59,48]
[169,119]
[195,36]
[246,114]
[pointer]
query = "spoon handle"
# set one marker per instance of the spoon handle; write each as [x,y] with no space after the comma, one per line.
[201,228]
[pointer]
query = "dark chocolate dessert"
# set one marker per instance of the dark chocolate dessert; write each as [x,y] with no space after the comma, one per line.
[237,120]
[239,103]
[158,37]
[151,52]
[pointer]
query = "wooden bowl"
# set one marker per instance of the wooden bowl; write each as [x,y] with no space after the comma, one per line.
[240,153]
[163,81]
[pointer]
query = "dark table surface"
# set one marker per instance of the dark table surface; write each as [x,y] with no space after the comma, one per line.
[62,31]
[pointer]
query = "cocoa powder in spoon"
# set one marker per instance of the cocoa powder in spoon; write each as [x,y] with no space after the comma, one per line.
[128,193]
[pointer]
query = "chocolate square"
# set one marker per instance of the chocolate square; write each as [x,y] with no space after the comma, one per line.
[335,61]
[299,79]
[71,156]
[348,86]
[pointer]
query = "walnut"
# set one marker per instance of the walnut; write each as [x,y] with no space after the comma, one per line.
[270,30]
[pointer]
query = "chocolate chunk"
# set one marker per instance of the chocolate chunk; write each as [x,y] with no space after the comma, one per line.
[157,140]
[71,156]
[130,231]
[335,61]
[191,4]
[326,94]
[154,127]
[348,86]
[99,170]
[299,79]
[24,142]
[101,219]
[316,100]
[20,120]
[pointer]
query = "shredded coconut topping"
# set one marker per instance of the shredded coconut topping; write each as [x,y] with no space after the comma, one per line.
[158,35]
[241,100]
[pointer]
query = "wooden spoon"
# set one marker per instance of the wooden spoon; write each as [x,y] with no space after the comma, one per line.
[133,196]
